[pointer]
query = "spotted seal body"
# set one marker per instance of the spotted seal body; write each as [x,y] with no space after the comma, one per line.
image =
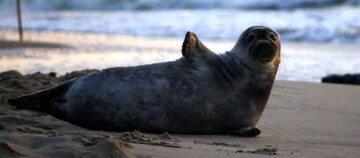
[200,93]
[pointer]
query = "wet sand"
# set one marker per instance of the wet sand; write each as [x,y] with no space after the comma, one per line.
[301,120]
[26,44]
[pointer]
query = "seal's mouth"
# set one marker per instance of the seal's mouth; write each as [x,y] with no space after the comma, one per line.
[263,51]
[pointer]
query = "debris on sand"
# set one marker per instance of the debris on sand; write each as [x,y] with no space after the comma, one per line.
[74,74]
[141,138]
[219,143]
[268,150]
[166,135]
[87,140]
[136,137]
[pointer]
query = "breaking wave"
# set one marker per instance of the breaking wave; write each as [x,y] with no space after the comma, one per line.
[172,4]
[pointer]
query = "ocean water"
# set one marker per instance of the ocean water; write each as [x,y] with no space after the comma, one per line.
[333,24]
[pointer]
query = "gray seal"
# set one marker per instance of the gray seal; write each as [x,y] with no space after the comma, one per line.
[200,93]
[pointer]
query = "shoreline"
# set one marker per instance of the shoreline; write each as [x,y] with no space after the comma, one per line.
[100,51]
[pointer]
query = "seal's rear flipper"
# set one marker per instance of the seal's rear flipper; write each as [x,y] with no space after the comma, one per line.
[44,100]
[192,47]
[247,132]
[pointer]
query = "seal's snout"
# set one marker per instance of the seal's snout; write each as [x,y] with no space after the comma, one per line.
[264,51]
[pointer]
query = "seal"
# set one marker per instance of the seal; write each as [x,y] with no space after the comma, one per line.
[200,93]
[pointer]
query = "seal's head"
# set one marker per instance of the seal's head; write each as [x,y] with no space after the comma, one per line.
[259,43]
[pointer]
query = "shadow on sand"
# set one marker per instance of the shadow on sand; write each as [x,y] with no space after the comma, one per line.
[30,44]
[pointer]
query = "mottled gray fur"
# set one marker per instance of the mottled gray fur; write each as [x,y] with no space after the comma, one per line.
[200,93]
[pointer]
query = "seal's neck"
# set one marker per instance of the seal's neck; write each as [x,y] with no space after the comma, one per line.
[235,67]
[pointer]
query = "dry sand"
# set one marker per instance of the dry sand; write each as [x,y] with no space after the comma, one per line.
[300,120]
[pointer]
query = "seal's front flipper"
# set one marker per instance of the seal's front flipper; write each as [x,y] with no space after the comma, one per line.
[247,132]
[192,47]
[42,101]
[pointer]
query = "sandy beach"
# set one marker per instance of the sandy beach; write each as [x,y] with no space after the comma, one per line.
[301,119]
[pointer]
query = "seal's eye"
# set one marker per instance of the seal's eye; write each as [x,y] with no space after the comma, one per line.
[272,36]
[250,38]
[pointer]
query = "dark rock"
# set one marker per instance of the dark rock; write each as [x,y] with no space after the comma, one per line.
[342,79]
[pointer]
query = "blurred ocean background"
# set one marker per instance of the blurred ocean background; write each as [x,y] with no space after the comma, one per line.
[298,21]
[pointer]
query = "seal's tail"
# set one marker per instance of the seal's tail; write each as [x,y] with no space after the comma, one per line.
[44,100]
